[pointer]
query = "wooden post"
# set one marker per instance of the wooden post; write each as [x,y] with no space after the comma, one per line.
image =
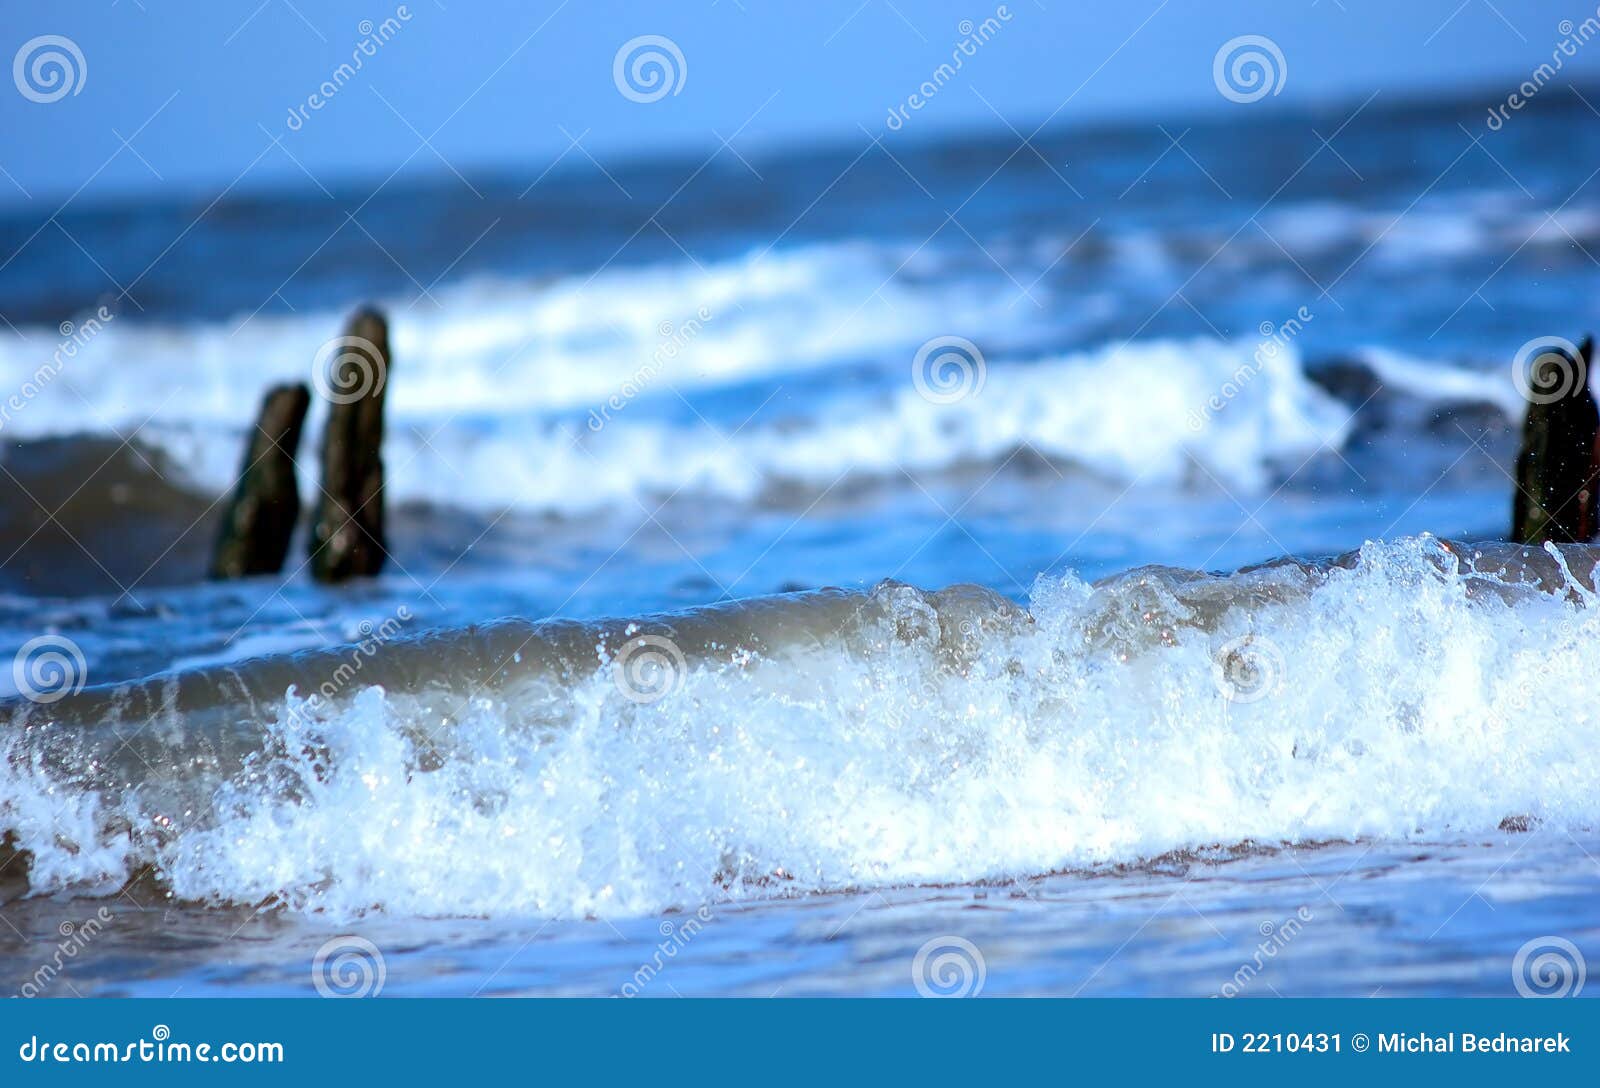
[347,538]
[266,502]
[14,866]
[1558,467]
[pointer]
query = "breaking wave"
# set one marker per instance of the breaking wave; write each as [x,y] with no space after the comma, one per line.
[833,740]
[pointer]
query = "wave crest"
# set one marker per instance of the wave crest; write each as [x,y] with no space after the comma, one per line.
[834,740]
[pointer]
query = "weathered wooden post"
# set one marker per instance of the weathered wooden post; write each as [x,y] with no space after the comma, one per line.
[347,537]
[266,501]
[1558,467]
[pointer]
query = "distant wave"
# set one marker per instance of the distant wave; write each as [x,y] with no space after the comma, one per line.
[774,374]
[1132,412]
[500,346]
[1147,412]
[835,740]
[1431,381]
[1448,225]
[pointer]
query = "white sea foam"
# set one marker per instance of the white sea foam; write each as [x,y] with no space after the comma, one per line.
[1435,381]
[1140,412]
[1128,411]
[507,396]
[493,346]
[496,392]
[1395,698]
[1442,228]
[492,389]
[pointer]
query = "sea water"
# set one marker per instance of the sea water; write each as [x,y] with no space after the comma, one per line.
[1096,771]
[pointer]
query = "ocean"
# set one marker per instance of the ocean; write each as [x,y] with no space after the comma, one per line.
[848,570]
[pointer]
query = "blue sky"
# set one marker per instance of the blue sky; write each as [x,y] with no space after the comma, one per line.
[200,91]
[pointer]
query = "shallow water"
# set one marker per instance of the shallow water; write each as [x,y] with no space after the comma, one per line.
[1352,920]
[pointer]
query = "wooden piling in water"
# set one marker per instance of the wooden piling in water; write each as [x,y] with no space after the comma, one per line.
[347,536]
[260,521]
[1558,466]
